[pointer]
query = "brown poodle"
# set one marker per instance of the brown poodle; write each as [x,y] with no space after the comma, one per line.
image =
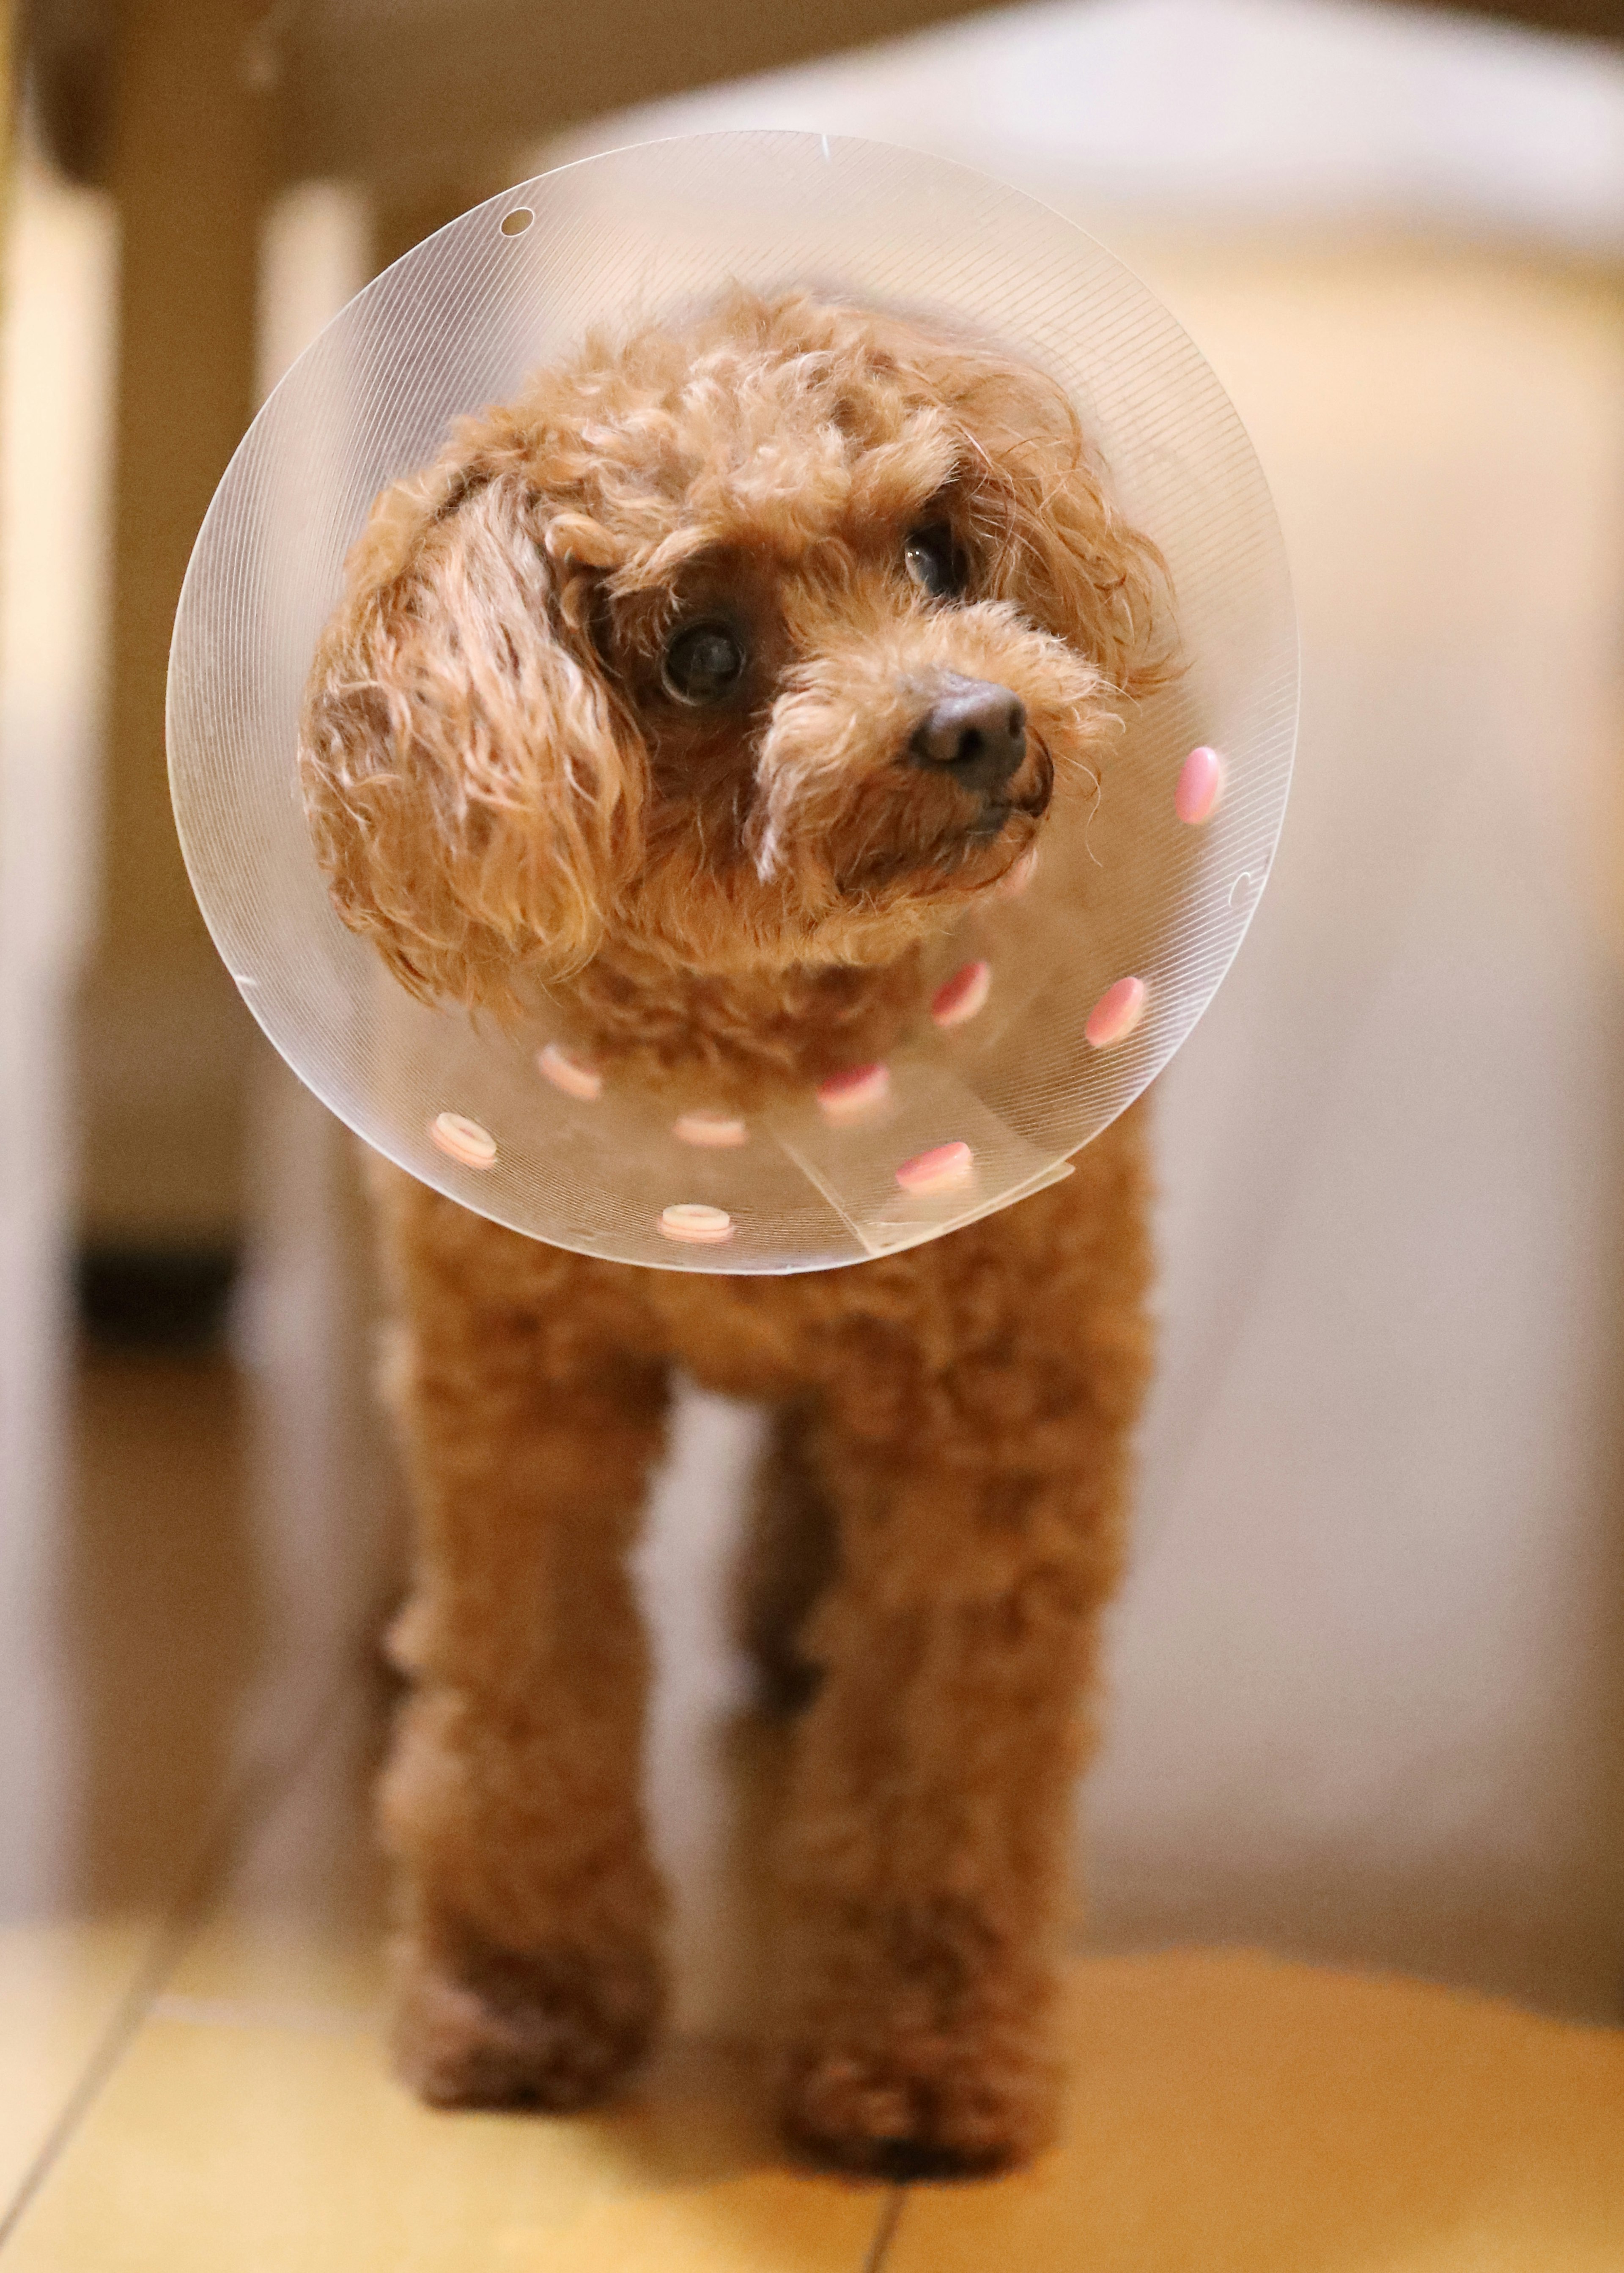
[702,689]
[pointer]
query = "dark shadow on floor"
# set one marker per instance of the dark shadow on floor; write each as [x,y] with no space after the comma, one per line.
[159,1616]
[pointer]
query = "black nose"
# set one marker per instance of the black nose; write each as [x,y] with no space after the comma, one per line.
[974,731]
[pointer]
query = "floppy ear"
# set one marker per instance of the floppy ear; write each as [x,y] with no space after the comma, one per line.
[474,802]
[1052,539]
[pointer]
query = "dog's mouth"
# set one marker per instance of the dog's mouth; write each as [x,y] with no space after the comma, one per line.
[931,849]
[998,813]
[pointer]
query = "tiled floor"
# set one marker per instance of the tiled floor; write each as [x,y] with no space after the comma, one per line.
[192,2074]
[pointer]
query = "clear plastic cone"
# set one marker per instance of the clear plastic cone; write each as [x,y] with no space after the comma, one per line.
[1042,1026]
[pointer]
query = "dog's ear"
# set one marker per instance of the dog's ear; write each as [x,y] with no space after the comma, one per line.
[1049,535]
[474,799]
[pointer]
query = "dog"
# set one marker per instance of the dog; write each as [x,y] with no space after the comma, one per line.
[699,690]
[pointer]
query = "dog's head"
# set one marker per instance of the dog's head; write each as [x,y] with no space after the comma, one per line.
[763,641]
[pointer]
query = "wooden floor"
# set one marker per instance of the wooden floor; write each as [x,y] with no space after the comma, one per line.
[192,2072]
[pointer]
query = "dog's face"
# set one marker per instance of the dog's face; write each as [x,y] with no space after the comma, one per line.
[760,643]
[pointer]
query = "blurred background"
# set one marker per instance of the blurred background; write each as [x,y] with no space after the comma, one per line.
[1368,1673]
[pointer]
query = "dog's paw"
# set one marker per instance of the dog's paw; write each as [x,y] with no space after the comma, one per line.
[935,2110]
[553,2029]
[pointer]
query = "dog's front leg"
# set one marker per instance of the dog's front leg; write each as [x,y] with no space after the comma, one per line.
[930,1835]
[929,1844]
[528,1966]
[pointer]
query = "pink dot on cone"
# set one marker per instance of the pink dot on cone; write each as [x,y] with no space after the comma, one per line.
[1201,785]
[843,1095]
[1117,1013]
[962,995]
[714,1132]
[695,1226]
[947,1168]
[568,1074]
[464,1140]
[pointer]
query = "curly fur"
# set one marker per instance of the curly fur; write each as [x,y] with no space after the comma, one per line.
[508,799]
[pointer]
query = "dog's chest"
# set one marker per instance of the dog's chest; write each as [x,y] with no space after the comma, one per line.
[745,1337]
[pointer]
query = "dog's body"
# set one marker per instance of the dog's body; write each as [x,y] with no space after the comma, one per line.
[704,688]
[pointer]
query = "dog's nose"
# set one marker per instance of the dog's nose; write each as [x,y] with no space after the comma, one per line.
[974,731]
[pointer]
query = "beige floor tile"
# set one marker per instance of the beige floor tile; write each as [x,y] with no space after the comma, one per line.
[252,2149]
[254,2124]
[62,1984]
[1234,2114]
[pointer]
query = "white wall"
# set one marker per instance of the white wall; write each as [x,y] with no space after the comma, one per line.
[56,389]
[1319,116]
[1369,1669]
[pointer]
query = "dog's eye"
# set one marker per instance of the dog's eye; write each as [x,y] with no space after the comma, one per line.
[703,663]
[934,562]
